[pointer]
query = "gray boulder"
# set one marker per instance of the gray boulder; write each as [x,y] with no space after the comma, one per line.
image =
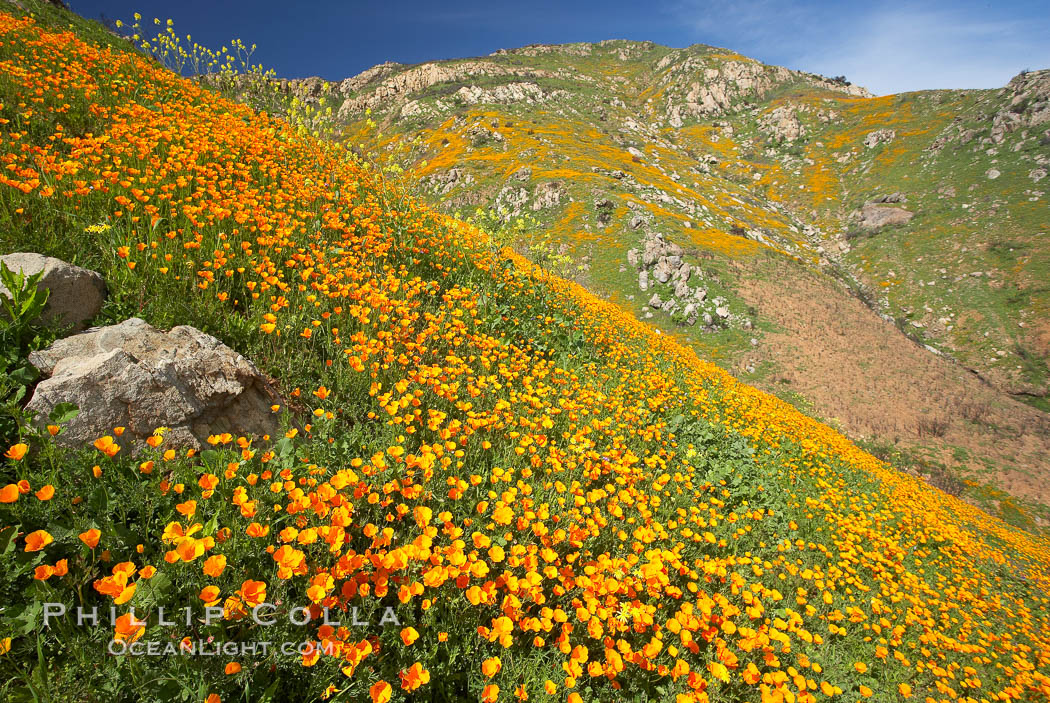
[690,313]
[654,249]
[76,294]
[879,136]
[876,216]
[548,195]
[663,270]
[134,376]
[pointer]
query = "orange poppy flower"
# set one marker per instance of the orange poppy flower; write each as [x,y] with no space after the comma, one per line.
[90,537]
[35,541]
[414,676]
[214,565]
[380,692]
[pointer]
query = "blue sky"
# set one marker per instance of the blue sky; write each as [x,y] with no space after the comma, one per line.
[888,47]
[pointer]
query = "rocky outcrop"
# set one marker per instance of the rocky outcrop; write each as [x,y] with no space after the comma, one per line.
[723,87]
[362,79]
[1029,106]
[705,85]
[75,294]
[134,376]
[1023,103]
[521,92]
[577,49]
[396,88]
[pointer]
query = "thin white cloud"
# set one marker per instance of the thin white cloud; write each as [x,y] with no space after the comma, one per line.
[888,48]
[905,49]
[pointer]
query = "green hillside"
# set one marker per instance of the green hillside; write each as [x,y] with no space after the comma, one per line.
[498,485]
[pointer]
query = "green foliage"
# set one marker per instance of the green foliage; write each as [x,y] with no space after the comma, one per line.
[22,305]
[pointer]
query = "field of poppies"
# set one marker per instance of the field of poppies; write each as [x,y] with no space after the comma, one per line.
[490,484]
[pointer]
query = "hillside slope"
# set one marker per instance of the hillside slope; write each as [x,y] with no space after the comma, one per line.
[558,502]
[927,207]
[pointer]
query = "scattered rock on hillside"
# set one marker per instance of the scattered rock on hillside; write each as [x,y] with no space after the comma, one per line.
[76,294]
[134,376]
[547,195]
[510,201]
[604,208]
[874,216]
[443,183]
[992,173]
[879,136]
[783,124]
[1037,174]
[663,273]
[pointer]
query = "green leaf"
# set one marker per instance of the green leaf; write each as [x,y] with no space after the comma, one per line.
[7,542]
[210,456]
[63,413]
[210,527]
[99,501]
[24,375]
[153,590]
[268,694]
